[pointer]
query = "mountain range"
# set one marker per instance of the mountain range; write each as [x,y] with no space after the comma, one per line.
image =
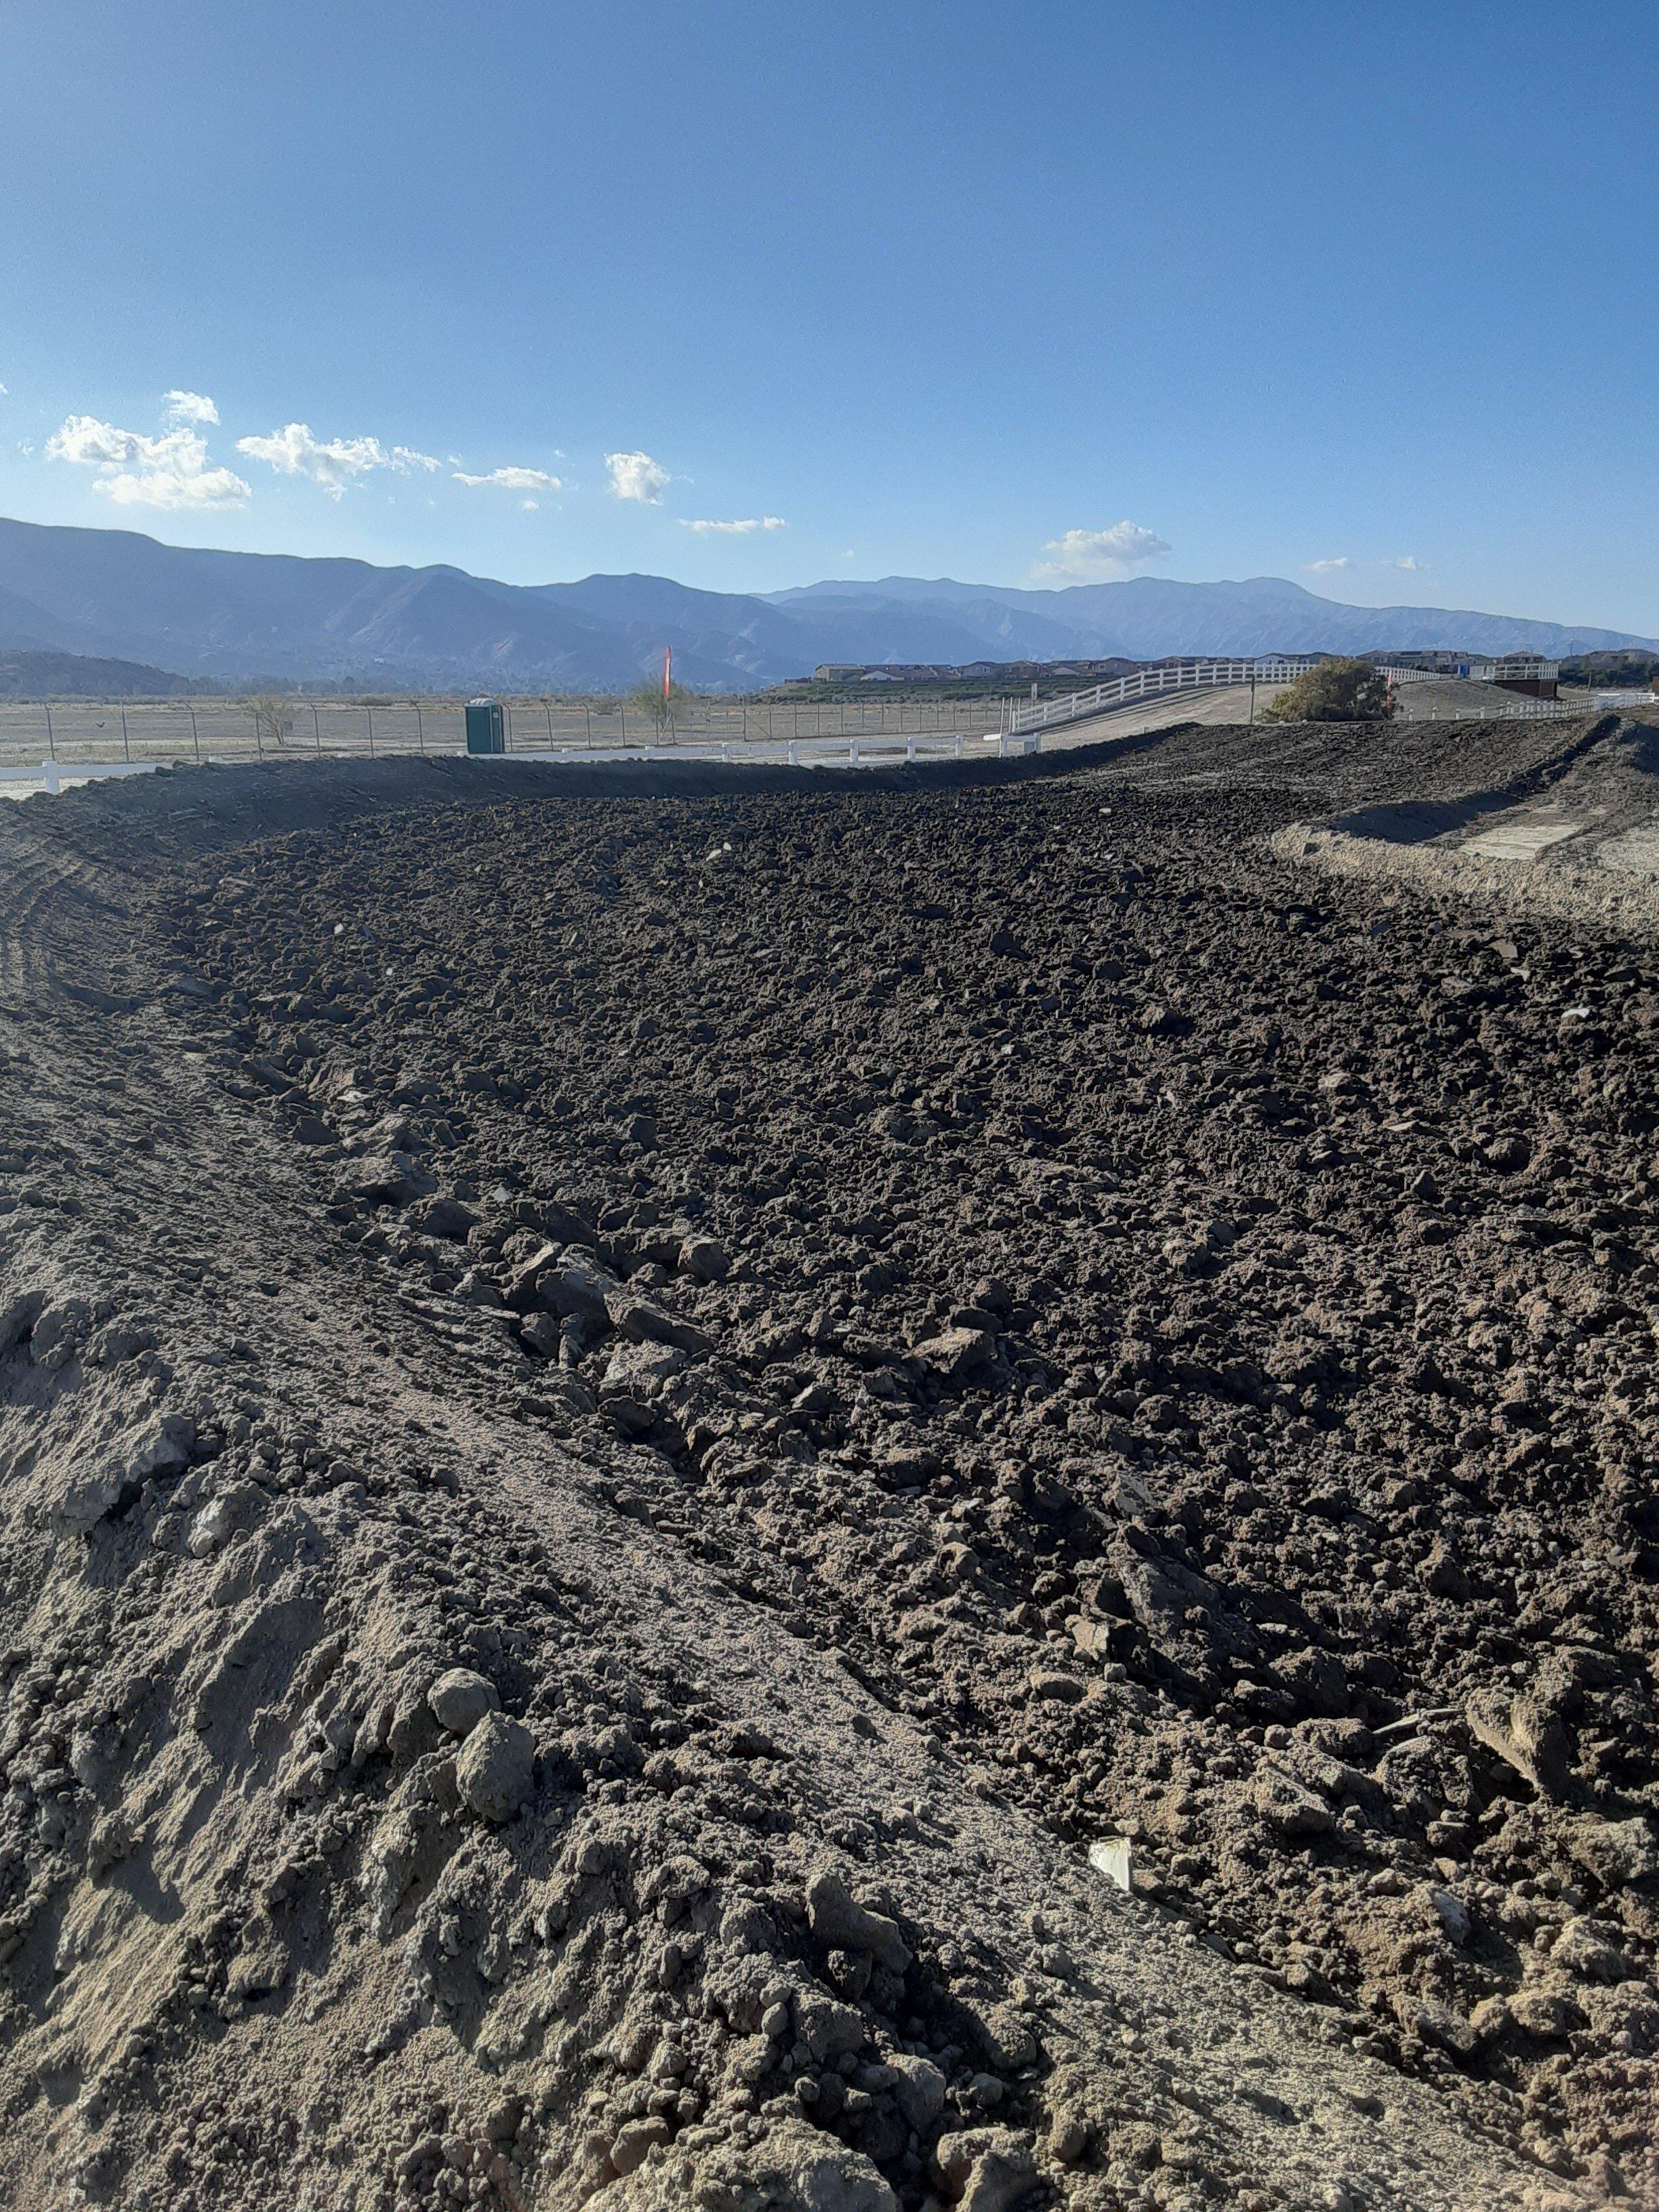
[243,616]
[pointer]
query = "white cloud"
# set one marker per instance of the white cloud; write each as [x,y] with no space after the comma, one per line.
[3,391]
[1085,555]
[743,529]
[294,451]
[1412,567]
[170,472]
[1326,568]
[636,476]
[187,408]
[530,506]
[512,479]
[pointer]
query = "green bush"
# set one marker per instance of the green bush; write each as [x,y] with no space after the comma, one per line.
[1334,691]
[662,711]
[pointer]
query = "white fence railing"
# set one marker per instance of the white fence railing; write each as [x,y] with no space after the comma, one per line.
[1267,668]
[1151,683]
[1504,707]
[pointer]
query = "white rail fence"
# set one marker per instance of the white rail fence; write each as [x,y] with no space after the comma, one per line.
[1153,683]
[1272,668]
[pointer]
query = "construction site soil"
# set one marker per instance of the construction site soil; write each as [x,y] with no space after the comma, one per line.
[791,1493]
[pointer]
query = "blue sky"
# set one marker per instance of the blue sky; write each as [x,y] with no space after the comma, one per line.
[939,289]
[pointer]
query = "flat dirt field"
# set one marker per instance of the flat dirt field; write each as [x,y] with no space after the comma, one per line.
[812,1492]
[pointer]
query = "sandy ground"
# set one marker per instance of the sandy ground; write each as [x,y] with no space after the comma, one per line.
[655,1431]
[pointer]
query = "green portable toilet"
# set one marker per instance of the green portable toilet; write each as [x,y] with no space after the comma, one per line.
[486,726]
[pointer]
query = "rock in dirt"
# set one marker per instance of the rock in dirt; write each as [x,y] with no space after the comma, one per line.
[110,1472]
[986,2169]
[793,2167]
[1590,1949]
[495,1771]
[706,1258]
[644,1321]
[956,1356]
[640,1371]
[1526,1735]
[1288,1807]
[841,1923]
[460,1699]
[1617,1852]
[391,1178]
[918,2091]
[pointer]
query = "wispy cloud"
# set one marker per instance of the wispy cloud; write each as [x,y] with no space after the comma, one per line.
[512,479]
[1091,555]
[637,477]
[1327,567]
[745,528]
[1410,566]
[333,462]
[169,471]
[187,409]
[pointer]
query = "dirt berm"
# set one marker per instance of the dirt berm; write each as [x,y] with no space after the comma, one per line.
[652,1435]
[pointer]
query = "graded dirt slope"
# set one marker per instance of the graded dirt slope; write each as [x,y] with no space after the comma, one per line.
[631,1423]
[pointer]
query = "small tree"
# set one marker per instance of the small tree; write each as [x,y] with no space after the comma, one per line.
[1334,691]
[661,709]
[271,717]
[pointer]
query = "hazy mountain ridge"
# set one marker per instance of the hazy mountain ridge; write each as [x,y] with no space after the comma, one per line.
[1146,617]
[25,674]
[201,613]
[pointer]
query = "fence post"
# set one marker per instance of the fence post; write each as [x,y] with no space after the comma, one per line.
[420,730]
[195,735]
[316,730]
[369,711]
[547,709]
[587,724]
[126,750]
[51,742]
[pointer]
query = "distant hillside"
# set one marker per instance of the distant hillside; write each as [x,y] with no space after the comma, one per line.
[229,618]
[77,675]
[1146,617]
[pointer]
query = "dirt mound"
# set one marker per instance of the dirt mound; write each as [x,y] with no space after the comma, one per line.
[652,1441]
[1575,834]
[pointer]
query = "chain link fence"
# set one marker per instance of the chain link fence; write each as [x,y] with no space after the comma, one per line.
[87,730]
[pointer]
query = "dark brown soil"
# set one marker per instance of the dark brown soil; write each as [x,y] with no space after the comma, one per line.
[907,1331]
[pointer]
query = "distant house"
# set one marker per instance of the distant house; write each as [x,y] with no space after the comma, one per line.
[1526,672]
